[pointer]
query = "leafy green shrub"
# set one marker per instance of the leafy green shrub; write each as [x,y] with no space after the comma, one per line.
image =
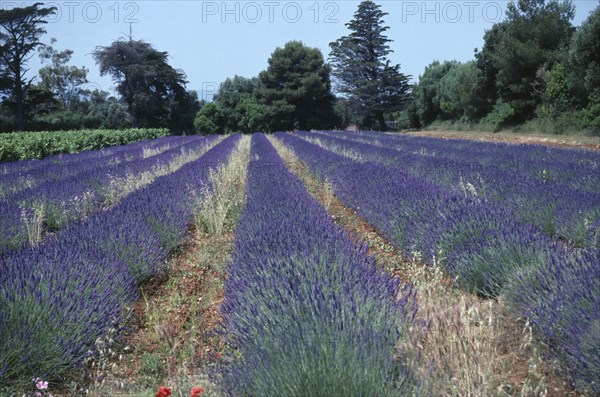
[36,145]
[500,116]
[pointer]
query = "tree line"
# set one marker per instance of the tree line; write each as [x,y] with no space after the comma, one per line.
[534,69]
[294,92]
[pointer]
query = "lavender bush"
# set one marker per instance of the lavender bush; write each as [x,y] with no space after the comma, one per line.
[59,297]
[562,301]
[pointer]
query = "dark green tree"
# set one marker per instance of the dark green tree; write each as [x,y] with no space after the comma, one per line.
[67,83]
[105,111]
[152,89]
[534,36]
[20,33]
[584,61]
[242,111]
[427,93]
[362,71]
[296,88]
[210,119]
[182,112]
[487,68]
[459,93]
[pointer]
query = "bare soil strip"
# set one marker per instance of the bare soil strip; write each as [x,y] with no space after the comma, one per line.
[562,141]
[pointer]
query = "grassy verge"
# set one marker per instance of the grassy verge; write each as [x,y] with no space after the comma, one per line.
[172,341]
[470,347]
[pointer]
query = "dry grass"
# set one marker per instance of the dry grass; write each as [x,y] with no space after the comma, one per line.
[462,345]
[120,187]
[352,154]
[222,205]
[470,346]
[34,224]
[149,152]
[588,142]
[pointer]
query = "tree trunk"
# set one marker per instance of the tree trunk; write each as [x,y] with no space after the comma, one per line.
[381,118]
[19,101]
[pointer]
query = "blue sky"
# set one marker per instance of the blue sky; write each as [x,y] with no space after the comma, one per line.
[213,40]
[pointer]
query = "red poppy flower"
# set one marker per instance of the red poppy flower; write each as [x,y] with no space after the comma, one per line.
[196,391]
[163,392]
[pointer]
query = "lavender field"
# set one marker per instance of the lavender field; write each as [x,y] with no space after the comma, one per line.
[305,309]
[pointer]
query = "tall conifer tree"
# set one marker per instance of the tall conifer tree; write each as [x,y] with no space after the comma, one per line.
[362,71]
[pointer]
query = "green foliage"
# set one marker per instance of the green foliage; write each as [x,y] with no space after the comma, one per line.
[408,118]
[578,122]
[487,68]
[296,89]
[500,116]
[427,93]
[237,98]
[459,92]
[584,61]
[293,93]
[364,74]
[36,145]
[20,33]
[209,120]
[524,70]
[153,90]
[556,99]
[106,112]
[152,368]
[252,115]
[65,82]
[533,37]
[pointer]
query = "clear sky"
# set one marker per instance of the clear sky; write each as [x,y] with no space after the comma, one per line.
[213,40]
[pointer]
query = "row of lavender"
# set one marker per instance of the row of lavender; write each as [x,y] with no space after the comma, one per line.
[554,207]
[16,177]
[574,167]
[306,312]
[481,246]
[58,298]
[60,200]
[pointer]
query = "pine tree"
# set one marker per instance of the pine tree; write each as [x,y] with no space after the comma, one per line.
[296,87]
[363,73]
